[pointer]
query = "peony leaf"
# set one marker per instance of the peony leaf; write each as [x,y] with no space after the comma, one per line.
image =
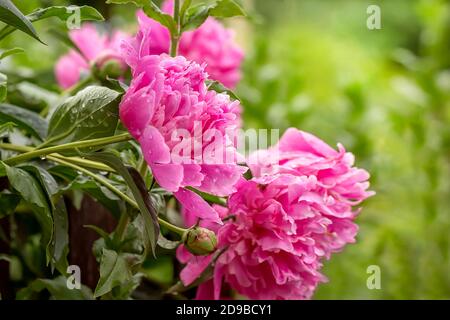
[86,13]
[3,87]
[114,271]
[80,13]
[59,247]
[8,202]
[153,11]
[15,19]
[196,15]
[137,186]
[226,9]
[34,195]
[220,88]
[92,113]
[58,289]
[26,120]
[9,52]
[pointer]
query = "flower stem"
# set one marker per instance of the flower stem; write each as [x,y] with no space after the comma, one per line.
[68,146]
[175,38]
[122,226]
[123,196]
[77,163]
[75,160]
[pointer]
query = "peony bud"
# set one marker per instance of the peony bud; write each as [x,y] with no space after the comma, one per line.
[201,241]
[109,65]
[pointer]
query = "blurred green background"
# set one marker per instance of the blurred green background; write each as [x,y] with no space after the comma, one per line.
[384,94]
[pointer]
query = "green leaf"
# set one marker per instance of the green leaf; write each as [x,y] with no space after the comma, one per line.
[167,244]
[86,13]
[220,88]
[6,128]
[140,194]
[102,233]
[60,244]
[133,240]
[92,113]
[184,8]
[78,182]
[196,15]
[58,289]
[159,270]
[137,3]
[58,249]
[35,197]
[153,11]
[26,120]
[12,16]
[124,291]
[9,52]
[165,19]
[8,203]
[34,96]
[226,9]
[114,271]
[3,87]
[45,178]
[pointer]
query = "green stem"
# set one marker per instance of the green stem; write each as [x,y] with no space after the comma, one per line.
[68,146]
[122,226]
[209,197]
[173,228]
[76,163]
[107,184]
[175,37]
[142,167]
[75,160]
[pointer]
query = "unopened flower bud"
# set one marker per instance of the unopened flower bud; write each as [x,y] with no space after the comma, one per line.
[109,65]
[201,241]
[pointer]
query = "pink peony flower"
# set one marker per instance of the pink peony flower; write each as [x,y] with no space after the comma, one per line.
[184,130]
[93,48]
[211,43]
[294,213]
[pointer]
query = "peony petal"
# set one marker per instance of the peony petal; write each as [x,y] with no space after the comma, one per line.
[68,69]
[196,206]
[168,176]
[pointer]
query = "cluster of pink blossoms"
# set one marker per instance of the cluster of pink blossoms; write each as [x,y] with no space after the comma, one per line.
[295,212]
[211,44]
[92,48]
[168,107]
[278,227]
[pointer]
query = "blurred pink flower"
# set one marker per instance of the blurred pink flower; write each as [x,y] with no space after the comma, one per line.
[295,212]
[93,48]
[211,43]
[170,112]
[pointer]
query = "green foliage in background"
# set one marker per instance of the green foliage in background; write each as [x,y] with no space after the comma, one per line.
[384,94]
